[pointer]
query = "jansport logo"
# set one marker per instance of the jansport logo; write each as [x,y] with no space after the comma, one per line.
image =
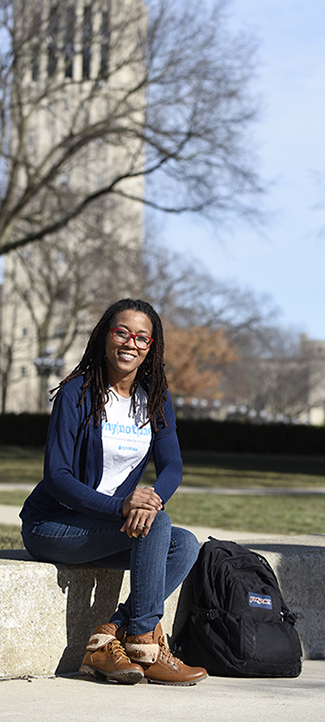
[257,600]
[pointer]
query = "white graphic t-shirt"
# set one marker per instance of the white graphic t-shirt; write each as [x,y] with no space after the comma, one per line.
[125,444]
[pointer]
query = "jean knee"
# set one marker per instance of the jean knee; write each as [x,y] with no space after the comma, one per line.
[188,543]
[162,523]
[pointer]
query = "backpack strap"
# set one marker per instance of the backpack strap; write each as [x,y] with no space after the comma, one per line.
[207,613]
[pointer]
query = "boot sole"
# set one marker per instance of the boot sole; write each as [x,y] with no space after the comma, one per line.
[120,676]
[190,683]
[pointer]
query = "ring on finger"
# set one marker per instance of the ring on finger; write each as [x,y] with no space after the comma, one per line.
[142,526]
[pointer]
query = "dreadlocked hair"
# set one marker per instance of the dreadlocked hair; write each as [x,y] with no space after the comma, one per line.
[93,367]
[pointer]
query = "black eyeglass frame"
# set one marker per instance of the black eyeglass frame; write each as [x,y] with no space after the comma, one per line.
[131,335]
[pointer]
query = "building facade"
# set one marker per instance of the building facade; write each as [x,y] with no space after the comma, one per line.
[75,103]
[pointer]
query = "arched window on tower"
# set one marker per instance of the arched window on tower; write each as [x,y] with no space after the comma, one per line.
[69,40]
[104,50]
[52,51]
[86,42]
[35,45]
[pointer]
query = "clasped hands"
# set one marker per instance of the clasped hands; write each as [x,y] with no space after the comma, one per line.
[139,510]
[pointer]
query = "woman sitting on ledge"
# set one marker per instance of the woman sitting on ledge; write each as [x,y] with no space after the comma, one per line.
[109,414]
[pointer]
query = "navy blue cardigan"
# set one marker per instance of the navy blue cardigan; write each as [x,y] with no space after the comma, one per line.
[73,464]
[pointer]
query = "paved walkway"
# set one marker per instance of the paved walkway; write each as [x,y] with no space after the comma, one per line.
[252,491]
[216,699]
[9,514]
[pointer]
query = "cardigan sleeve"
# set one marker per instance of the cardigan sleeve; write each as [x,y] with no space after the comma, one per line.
[67,428]
[167,456]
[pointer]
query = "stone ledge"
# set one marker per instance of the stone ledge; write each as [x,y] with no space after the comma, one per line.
[48,611]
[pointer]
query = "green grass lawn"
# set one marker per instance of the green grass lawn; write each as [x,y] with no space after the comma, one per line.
[21,464]
[265,514]
[10,537]
[13,498]
[276,514]
[248,470]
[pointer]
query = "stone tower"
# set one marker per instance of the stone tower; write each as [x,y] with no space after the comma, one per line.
[75,103]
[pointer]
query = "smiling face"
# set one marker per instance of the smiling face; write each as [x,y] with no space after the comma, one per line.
[124,359]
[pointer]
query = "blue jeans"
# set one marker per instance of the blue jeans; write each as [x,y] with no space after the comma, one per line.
[158,563]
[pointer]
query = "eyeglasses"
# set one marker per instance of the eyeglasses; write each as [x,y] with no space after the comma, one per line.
[120,335]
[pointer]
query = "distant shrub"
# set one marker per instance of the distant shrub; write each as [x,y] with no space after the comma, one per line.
[199,435]
[233,436]
[24,429]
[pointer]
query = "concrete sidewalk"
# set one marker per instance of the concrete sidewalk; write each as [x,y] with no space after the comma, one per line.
[10,514]
[69,699]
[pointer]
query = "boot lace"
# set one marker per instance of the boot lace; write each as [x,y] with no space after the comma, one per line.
[116,649]
[166,654]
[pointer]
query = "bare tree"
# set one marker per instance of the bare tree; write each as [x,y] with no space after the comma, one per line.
[208,323]
[279,373]
[63,289]
[170,85]
[56,292]
[265,366]
[187,294]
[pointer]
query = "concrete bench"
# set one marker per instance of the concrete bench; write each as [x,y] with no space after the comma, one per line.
[48,611]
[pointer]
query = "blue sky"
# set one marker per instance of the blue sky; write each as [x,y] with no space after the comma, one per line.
[287,259]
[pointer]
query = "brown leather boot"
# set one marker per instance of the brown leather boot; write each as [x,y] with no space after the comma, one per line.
[106,658]
[158,663]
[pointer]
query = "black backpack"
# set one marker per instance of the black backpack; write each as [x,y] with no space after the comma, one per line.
[240,625]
